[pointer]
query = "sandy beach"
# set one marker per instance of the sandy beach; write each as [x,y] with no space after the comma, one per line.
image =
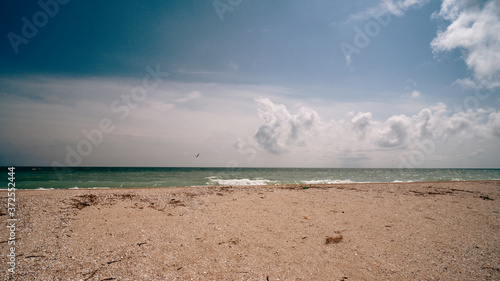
[387,231]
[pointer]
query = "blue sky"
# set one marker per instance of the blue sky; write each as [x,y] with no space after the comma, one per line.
[408,83]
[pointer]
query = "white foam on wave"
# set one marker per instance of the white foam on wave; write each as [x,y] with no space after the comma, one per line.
[396,181]
[239,181]
[42,188]
[327,181]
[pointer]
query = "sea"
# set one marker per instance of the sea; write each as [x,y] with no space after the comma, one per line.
[125,177]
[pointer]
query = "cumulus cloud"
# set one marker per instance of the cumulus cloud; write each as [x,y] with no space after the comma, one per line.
[361,123]
[283,130]
[394,132]
[361,134]
[494,123]
[475,29]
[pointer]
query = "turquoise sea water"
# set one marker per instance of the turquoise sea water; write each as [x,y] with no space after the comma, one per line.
[117,177]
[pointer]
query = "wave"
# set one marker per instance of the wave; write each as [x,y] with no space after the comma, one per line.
[397,181]
[213,180]
[328,181]
[43,188]
[245,181]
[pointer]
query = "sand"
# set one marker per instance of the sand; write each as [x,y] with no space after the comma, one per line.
[396,231]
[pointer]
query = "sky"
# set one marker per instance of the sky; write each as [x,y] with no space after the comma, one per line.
[285,83]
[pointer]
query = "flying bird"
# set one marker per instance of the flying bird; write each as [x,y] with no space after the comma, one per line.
[197,155]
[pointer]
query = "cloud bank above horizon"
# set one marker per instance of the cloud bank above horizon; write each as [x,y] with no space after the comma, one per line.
[175,117]
[359,135]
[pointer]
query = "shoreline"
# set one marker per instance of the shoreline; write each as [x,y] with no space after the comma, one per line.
[352,231]
[297,185]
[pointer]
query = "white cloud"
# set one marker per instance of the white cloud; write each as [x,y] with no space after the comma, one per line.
[49,114]
[178,118]
[394,7]
[494,123]
[283,130]
[415,94]
[360,137]
[394,132]
[475,29]
[361,123]
[399,7]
